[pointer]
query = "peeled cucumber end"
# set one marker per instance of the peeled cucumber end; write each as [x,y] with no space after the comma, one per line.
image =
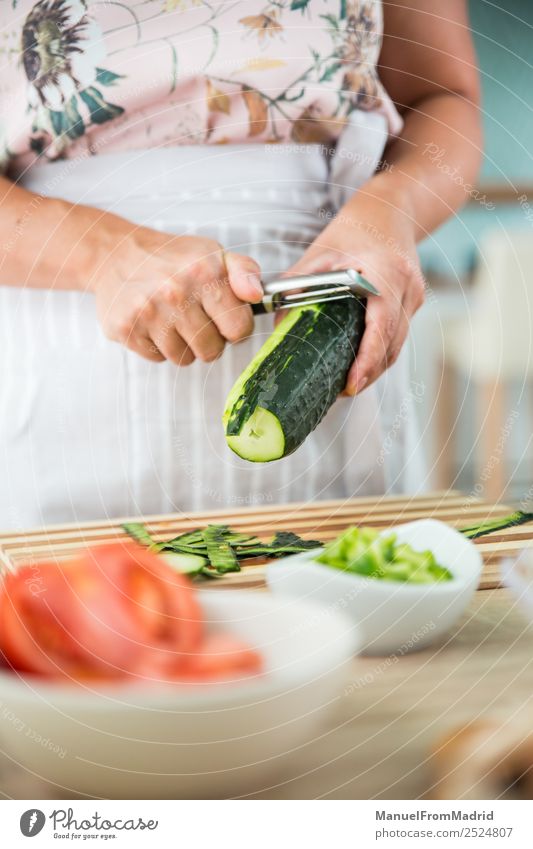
[261,438]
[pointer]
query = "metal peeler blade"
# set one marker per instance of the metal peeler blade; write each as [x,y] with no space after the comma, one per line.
[288,292]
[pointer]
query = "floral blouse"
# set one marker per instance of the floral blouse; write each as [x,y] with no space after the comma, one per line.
[81,76]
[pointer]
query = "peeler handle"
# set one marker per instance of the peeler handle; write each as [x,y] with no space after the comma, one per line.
[260,309]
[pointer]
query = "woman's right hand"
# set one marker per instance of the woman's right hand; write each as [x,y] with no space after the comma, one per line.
[166,297]
[174,298]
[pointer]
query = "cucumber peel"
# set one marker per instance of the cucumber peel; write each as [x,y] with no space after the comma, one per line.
[217,550]
[480,530]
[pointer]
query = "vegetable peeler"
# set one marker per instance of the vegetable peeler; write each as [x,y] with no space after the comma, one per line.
[280,293]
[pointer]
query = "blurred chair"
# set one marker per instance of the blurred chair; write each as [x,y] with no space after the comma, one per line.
[490,346]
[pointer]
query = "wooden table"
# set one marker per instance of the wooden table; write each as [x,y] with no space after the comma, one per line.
[393,709]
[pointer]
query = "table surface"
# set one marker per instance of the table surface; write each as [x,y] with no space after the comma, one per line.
[378,741]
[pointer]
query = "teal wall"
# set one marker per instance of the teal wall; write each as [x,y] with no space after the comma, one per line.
[503,33]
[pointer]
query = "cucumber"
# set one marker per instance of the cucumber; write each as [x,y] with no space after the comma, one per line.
[293,380]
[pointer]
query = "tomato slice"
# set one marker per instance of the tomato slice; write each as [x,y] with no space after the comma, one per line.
[30,634]
[221,657]
[162,601]
[146,616]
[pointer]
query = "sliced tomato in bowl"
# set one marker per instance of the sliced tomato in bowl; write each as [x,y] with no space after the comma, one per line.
[114,612]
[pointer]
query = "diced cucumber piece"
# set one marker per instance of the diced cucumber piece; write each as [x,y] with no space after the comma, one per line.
[189,564]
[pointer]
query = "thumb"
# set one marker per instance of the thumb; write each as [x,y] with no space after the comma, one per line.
[244,277]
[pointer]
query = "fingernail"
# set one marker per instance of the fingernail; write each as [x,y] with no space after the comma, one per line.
[255,282]
[357,386]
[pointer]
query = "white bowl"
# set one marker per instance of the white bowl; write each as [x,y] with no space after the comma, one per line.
[187,741]
[393,616]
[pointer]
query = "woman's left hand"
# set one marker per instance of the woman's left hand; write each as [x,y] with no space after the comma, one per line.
[373,235]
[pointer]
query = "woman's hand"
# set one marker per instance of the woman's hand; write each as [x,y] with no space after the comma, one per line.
[373,235]
[163,296]
[175,297]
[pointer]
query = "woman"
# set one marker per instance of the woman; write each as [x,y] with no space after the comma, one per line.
[160,159]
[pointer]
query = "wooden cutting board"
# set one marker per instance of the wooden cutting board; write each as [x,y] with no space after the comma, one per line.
[321,520]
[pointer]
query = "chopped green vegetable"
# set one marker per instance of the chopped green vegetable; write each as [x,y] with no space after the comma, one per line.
[220,547]
[364,552]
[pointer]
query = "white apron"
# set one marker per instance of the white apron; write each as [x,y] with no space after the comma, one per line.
[90,430]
